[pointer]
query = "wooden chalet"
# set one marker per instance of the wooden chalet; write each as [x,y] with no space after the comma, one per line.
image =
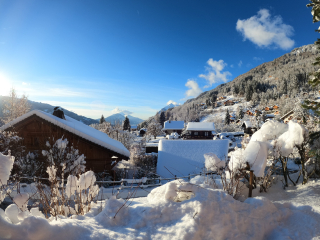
[228,103]
[37,127]
[221,98]
[268,108]
[249,113]
[173,126]
[199,130]
[257,112]
[248,127]
[142,132]
[288,116]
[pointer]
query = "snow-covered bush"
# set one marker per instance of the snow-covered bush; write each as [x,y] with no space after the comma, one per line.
[61,153]
[73,198]
[173,135]
[6,164]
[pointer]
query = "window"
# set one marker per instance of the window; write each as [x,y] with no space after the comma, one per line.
[206,134]
[196,133]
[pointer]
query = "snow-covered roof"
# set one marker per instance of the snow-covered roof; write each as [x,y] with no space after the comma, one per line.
[77,128]
[182,157]
[200,126]
[248,124]
[173,125]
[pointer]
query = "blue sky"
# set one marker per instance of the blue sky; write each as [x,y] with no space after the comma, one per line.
[96,57]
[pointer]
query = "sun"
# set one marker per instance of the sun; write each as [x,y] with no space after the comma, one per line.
[5,85]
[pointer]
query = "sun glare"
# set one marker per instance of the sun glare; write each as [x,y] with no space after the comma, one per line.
[5,85]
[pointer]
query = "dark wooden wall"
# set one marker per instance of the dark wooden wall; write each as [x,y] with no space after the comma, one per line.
[201,135]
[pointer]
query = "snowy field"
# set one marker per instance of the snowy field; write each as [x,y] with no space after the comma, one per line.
[209,214]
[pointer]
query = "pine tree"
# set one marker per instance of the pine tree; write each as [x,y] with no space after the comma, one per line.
[240,113]
[126,124]
[162,118]
[227,119]
[102,120]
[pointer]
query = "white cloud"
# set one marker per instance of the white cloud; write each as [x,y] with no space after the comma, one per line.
[194,90]
[240,63]
[215,73]
[232,66]
[264,30]
[25,84]
[170,101]
[118,110]
[257,58]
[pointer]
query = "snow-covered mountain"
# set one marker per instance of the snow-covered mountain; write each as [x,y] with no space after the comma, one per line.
[119,117]
[170,105]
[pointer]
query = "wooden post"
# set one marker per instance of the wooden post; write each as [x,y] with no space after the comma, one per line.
[175,177]
[250,183]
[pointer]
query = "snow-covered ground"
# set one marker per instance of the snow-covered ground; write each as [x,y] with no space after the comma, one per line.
[209,214]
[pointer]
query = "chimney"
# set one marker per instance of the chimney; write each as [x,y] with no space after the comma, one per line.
[58,112]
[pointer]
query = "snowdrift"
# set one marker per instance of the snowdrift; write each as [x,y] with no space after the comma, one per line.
[208,214]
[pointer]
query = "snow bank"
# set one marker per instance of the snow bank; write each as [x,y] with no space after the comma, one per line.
[183,157]
[207,214]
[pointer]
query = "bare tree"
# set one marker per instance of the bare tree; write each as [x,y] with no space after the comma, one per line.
[154,128]
[14,106]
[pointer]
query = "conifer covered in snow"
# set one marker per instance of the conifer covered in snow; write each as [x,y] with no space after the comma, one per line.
[162,118]
[227,119]
[102,120]
[126,124]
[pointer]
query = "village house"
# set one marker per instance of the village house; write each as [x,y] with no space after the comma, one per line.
[221,98]
[268,108]
[249,113]
[173,126]
[228,103]
[37,127]
[287,117]
[142,132]
[248,127]
[199,130]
